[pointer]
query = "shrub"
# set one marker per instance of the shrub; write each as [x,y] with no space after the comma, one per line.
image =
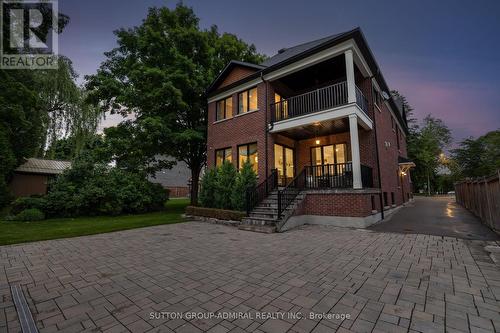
[245,180]
[31,214]
[208,188]
[226,178]
[24,203]
[97,189]
[215,213]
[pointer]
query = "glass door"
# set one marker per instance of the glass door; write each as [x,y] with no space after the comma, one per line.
[284,163]
[329,159]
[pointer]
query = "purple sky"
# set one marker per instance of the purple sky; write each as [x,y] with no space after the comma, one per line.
[442,55]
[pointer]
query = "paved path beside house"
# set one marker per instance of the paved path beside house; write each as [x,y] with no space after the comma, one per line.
[439,216]
[384,282]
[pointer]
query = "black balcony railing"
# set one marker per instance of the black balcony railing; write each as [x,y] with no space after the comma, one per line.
[255,195]
[317,100]
[329,176]
[361,100]
[325,176]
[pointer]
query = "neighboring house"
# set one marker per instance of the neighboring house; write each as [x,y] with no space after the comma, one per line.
[32,177]
[177,179]
[321,114]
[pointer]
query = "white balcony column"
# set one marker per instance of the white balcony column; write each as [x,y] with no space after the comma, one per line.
[349,70]
[356,159]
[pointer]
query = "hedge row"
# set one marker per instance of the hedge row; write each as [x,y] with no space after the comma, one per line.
[220,214]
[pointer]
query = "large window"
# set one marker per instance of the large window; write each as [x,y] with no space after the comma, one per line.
[331,154]
[247,101]
[222,155]
[248,152]
[224,108]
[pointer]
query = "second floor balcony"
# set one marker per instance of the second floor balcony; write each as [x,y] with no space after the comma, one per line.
[325,98]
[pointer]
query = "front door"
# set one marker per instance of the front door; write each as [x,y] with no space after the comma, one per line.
[284,163]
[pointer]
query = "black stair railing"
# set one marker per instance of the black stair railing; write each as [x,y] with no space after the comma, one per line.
[290,192]
[257,194]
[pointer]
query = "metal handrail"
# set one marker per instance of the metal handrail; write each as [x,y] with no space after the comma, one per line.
[361,100]
[257,194]
[290,192]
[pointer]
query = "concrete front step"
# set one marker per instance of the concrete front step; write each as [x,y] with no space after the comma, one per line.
[258,220]
[267,229]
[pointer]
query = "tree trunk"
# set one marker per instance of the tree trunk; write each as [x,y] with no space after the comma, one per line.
[428,184]
[195,181]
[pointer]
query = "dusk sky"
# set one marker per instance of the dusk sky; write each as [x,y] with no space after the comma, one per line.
[442,55]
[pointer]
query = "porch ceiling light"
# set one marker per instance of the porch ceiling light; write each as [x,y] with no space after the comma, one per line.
[317,142]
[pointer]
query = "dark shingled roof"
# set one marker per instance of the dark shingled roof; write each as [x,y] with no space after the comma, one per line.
[287,53]
[42,166]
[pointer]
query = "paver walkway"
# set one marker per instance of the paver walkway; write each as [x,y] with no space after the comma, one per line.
[440,216]
[384,282]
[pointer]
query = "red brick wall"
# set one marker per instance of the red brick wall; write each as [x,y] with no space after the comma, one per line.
[236,74]
[391,179]
[241,129]
[367,139]
[337,204]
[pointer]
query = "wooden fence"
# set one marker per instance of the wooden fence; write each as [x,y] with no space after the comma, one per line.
[481,196]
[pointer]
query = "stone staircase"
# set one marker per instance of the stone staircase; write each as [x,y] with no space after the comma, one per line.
[264,217]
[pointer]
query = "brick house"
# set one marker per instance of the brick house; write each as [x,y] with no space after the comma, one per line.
[321,130]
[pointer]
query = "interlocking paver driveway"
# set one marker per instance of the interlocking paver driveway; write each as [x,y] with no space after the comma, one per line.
[385,282]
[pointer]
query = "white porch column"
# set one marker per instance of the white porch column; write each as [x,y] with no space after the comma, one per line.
[351,84]
[356,159]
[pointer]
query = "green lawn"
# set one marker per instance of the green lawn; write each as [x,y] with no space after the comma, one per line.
[21,232]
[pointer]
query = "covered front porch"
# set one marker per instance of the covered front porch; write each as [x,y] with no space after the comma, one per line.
[322,155]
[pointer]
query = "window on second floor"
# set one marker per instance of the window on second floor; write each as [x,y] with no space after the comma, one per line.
[222,155]
[224,108]
[247,101]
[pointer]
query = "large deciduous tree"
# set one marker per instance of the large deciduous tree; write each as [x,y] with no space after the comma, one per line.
[425,147]
[159,72]
[477,157]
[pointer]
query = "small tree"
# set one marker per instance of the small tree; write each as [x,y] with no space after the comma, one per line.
[245,180]
[226,178]
[208,188]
